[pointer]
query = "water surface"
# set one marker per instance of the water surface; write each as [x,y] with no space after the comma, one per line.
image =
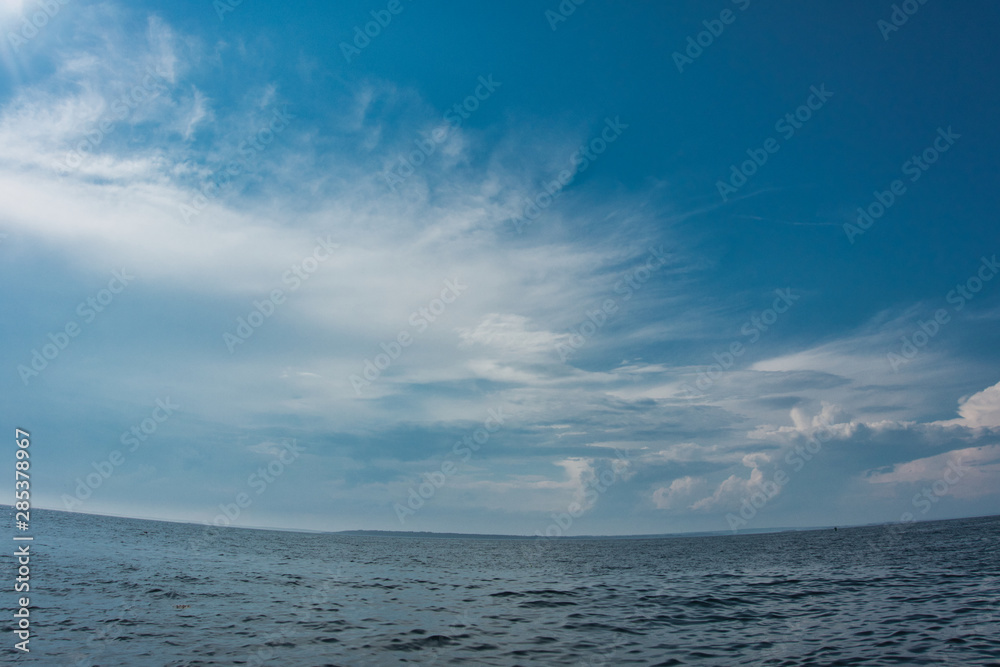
[111,591]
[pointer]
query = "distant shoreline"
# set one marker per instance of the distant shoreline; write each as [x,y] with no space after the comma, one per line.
[489,536]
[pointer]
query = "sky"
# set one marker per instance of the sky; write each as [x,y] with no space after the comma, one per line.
[578,268]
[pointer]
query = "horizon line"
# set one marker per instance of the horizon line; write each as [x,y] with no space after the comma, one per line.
[425,533]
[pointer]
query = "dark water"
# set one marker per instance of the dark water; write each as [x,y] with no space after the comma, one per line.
[113,591]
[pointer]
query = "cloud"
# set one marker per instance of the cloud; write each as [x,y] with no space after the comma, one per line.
[879,452]
[268,448]
[168,143]
[583,481]
[679,494]
[981,410]
[121,205]
[11,6]
[731,492]
[199,112]
[972,472]
[510,335]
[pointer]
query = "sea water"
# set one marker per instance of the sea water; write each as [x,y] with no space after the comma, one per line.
[114,591]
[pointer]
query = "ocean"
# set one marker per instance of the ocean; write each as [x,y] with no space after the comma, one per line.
[113,591]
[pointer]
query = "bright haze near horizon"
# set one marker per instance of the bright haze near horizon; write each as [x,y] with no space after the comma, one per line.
[494,269]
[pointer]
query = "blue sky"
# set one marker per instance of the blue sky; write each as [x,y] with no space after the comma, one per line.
[596,313]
